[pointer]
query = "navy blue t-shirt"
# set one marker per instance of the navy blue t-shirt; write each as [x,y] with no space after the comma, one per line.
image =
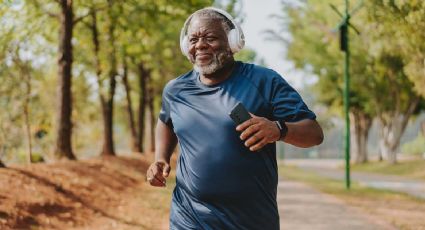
[220,183]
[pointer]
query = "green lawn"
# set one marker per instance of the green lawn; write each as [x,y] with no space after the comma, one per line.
[414,169]
[402,211]
[331,186]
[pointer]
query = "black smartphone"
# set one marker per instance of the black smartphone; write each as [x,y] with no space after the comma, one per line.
[239,114]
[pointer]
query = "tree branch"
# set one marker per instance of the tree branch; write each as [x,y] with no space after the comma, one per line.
[78,19]
[81,18]
[51,14]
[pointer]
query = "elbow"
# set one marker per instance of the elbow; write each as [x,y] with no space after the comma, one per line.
[318,139]
[318,135]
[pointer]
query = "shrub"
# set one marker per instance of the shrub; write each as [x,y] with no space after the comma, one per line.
[414,147]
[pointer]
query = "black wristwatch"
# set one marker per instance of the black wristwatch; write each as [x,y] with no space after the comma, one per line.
[282,128]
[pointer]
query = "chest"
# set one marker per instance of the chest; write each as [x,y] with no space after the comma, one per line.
[208,109]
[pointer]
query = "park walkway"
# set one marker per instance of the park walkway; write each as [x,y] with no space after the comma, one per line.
[331,169]
[302,207]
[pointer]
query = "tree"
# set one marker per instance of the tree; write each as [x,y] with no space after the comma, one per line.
[63,147]
[25,72]
[405,22]
[314,48]
[130,35]
[108,102]
[17,77]
[152,49]
[388,24]
[135,146]
[395,109]
[378,67]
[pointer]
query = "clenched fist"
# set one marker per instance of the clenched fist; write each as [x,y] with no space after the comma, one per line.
[157,172]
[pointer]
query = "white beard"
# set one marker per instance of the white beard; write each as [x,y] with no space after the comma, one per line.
[216,64]
[208,69]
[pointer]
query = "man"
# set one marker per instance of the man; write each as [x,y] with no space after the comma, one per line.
[226,176]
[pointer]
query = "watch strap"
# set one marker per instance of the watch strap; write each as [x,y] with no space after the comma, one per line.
[282,128]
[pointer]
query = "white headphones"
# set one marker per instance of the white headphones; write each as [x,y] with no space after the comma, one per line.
[235,37]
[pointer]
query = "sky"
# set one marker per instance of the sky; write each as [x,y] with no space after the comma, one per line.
[256,21]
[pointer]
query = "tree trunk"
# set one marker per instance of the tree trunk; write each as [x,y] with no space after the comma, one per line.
[135,145]
[27,114]
[151,117]
[63,148]
[360,127]
[26,78]
[108,106]
[108,141]
[392,128]
[143,74]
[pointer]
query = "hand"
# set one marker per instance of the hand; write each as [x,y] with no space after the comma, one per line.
[157,172]
[257,132]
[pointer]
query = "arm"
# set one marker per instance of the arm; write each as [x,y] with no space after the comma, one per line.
[259,131]
[165,142]
[305,133]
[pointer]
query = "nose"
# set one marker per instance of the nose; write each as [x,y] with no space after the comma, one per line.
[201,43]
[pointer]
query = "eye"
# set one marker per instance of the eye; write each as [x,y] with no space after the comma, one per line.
[193,40]
[210,39]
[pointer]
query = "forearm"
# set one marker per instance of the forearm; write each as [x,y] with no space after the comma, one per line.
[165,142]
[304,133]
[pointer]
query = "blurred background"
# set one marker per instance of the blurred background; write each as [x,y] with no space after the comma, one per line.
[81,78]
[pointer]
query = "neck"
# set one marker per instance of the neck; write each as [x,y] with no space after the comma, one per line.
[218,76]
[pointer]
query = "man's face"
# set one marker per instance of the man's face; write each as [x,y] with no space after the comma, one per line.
[208,46]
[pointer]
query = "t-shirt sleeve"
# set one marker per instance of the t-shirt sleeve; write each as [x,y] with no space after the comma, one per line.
[287,103]
[164,113]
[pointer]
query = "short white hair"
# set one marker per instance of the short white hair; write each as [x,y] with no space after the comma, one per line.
[214,15]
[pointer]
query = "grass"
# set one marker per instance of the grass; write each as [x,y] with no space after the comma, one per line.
[414,169]
[331,186]
[402,211]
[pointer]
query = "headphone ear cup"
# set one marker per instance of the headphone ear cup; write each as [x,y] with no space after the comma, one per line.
[240,38]
[232,37]
[236,40]
[184,46]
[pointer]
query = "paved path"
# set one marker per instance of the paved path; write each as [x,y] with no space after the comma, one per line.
[302,207]
[330,169]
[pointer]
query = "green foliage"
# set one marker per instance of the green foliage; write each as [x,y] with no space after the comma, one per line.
[315,47]
[402,23]
[414,147]
[22,157]
[377,65]
[146,32]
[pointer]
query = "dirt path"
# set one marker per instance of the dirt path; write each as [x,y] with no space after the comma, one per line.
[302,207]
[101,193]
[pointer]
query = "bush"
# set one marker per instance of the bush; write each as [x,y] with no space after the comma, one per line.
[36,157]
[414,147]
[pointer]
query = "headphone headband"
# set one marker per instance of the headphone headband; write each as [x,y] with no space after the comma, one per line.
[235,36]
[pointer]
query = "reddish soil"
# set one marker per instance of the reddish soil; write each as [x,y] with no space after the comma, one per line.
[100,193]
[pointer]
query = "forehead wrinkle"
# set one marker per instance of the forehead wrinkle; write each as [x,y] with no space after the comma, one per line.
[202,25]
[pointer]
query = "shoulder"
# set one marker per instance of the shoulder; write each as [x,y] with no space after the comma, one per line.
[175,85]
[261,77]
[258,73]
